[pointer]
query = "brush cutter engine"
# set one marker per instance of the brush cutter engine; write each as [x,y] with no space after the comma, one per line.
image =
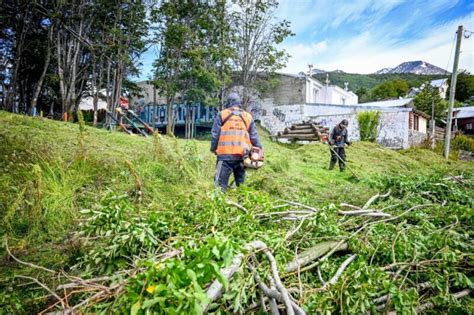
[254,159]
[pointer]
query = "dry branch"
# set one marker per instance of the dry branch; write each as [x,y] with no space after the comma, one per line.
[457,295]
[374,198]
[26,263]
[60,300]
[369,213]
[338,273]
[217,288]
[312,254]
[238,206]
[341,269]
[293,232]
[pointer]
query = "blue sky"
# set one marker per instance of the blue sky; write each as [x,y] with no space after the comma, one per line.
[364,36]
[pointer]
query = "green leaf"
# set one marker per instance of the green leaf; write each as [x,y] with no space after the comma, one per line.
[219,276]
[135,308]
[191,274]
[150,303]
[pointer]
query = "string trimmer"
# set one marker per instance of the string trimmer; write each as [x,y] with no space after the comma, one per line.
[345,164]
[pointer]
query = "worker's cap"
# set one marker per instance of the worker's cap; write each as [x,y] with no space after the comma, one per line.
[344,122]
[233,99]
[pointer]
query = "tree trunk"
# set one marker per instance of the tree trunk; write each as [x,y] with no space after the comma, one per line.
[97,91]
[12,94]
[108,94]
[170,116]
[43,74]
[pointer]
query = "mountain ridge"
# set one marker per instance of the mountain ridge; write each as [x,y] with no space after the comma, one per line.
[415,67]
[418,67]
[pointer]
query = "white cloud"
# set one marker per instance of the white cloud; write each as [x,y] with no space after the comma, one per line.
[369,51]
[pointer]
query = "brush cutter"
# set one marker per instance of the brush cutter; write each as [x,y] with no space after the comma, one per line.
[344,162]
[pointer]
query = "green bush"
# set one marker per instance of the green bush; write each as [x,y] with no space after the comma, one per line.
[462,142]
[368,123]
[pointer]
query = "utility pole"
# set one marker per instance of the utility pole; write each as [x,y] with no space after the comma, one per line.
[433,124]
[447,136]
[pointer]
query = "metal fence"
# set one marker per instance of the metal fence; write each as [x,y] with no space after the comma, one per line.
[157,116]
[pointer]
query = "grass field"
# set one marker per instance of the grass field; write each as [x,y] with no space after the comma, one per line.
[52,171]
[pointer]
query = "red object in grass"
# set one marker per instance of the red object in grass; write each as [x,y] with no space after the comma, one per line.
[123,102]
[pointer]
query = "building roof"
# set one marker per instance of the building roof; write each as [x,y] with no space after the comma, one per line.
[401,102]
[438,83]
[464,112]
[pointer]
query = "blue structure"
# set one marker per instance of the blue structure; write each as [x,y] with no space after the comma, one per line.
[156,115]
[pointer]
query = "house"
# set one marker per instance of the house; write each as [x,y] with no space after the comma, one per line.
[463,119]
[441,85]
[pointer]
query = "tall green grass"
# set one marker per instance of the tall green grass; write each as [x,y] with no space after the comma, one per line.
[368,125]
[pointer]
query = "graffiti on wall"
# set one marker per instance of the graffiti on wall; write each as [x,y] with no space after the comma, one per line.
[279,114]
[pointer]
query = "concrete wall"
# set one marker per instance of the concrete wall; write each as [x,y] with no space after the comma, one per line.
[291,90]
[416,138]
[393,130]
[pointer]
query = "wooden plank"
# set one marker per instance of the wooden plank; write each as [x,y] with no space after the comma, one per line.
[303,137]
[299,132]
[298,127]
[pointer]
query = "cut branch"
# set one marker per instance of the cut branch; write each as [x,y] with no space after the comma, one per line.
[26,263]
[314,253]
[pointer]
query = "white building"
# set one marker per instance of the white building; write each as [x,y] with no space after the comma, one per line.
[319,93]
[441,85]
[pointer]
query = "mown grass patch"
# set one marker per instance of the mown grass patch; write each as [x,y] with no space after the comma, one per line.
[48,179]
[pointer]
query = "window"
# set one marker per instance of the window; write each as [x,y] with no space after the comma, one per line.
[469,126]
[315,95]
[343,100]
[416,122]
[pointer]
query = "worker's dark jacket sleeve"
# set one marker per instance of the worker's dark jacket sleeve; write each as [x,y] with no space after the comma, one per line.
[338,137]
[346,138]
[216,132]
[254,135]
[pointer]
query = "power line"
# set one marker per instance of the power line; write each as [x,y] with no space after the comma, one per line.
[467,33]
[451,53]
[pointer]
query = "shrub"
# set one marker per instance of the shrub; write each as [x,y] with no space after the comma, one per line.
[368,125]
[462,142]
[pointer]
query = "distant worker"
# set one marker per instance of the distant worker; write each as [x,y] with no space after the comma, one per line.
[233,135]
[337,140]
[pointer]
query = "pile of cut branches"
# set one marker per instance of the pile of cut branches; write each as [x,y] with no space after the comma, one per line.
[408,249]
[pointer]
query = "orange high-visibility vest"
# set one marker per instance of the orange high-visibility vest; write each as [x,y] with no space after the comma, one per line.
[234,138]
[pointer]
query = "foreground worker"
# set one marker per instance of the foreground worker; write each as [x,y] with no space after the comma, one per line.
[233,135]
[337,141]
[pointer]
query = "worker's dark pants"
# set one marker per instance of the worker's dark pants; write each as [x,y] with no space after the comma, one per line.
[342,161]
[223,171]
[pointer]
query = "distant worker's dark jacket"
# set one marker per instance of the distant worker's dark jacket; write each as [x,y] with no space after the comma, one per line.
[338,137]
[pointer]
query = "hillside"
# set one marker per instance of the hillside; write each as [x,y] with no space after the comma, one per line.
[111,223]
[368,81]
